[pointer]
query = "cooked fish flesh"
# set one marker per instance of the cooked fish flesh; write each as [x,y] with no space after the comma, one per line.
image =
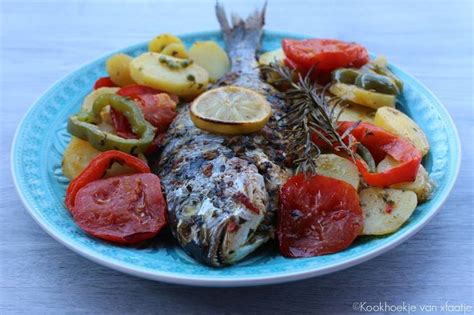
[222,191]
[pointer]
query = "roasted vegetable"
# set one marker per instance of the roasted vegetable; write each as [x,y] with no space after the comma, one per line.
[160,42]
[211,57]
[176,50]
[91,97]
[354,112]
[345,75]
[104,82]
[362,97]
[381,143]
[79,153]
[400,124]
[118,68]
[317,215]
[273,56]
[376,82]
[385,210]
[379,65]
[177,76]
[84,125]
[422,186]
[337,167]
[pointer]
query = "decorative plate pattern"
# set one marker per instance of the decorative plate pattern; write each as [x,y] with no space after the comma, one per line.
[36,165]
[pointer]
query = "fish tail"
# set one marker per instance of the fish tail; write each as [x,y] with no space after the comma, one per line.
[241,34]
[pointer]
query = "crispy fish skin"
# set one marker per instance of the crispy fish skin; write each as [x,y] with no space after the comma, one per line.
[222,191]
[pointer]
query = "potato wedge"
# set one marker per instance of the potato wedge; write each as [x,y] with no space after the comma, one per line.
[160,42]
[118,68]
[422,186]
[396,122]
[211,57]
[353,112]
[360,96]
[80,153]
[385,210]
[334,166]
[172,75]
[176,50]
[273,56]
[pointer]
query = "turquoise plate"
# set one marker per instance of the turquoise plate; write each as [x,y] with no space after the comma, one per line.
[36,165]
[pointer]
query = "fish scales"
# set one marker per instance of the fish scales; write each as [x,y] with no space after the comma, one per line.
[222,191]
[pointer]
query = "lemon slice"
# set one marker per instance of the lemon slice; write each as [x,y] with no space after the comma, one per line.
[230,110]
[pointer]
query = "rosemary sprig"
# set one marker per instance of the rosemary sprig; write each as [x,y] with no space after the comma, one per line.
[310,110]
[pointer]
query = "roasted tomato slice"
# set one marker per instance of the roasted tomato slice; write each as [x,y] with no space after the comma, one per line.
[124,209]
[318,215]
[324,54]
[158,109]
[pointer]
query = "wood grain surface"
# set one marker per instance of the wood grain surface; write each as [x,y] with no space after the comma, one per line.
[41,41]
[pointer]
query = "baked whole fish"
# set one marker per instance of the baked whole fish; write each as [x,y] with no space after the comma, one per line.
[222,191]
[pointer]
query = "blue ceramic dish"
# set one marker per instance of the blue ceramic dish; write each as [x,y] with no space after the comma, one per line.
[36,165]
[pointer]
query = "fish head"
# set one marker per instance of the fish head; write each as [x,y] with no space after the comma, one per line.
[224,226]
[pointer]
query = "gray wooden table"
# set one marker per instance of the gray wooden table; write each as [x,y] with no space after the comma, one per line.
[43,40]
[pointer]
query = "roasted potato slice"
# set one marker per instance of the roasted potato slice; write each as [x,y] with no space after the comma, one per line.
[176,50]
[118,68]
[422,186]
[385,210]
[79,153]
[273,56]
[160,42]
[334,166]
[398,123]
[211,57]
[172,75]
[353,112]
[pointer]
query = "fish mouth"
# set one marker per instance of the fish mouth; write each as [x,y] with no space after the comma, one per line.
[207,248]
[233,247]
[221,246]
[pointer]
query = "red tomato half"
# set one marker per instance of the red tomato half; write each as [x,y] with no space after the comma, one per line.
[158,109]
[318,215]
[324,54]
[123,209]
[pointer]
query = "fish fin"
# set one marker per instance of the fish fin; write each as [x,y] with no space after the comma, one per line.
[245,33]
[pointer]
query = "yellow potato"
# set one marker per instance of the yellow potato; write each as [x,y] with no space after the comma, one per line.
[385,210]
[172,75]
[422,186]
[211,57]
[89,99]
[274,56]
[175,50]
[400,124]
[80,153]
[353,112]
[160,42]
[360,96]
[334,166]
[118,68]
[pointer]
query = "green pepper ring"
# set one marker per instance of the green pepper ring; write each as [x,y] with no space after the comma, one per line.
[83,125]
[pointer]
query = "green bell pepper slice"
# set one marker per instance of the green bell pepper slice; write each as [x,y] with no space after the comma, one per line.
[371,81]
[84,125]
[345,75]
